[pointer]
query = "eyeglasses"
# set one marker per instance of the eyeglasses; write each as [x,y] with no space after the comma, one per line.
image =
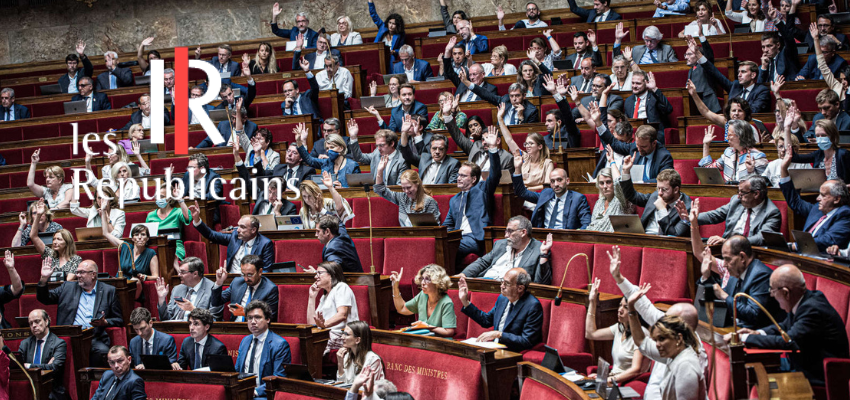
[505,283]
[743,193]
[320,273]
[529,144]
[510,231]
[426,279]
[86,272]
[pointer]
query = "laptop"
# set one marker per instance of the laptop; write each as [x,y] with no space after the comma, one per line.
[562,65]
[843,137]
[75,107]
[626,223]
[224,75]
[267,223]
[289,222]
[223,363]
[46,237]
[615,392]
[741,28]
[23,322]
[145,146]
[218,115]
[437,32]
[156,361]
[773,240]
[50,89]
[709,176]
[134,171]
[435,78]
[808,180]
[552,361]
[84,234]
[422,220]
[153,227]
[317,179]
[171,233]
[388,76]
[720,310]
[360,180]
[372,101]
[802,48]
[288,266]
[806,245]
[298,372]
[143,80]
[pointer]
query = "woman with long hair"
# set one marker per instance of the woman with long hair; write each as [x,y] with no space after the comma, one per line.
[392,98]
[62,253]
[135,258]
[264,62]
[390,32]
[612,200]
[432,305]
[336,306]
[628,360]
[752,15]
[735,109]
[356,353]
[773,168]
[705,18]
[534,162]
[448,105]
[104,212]
[314,204]
[475,128]
[415,199]
[27,221]
[531,75]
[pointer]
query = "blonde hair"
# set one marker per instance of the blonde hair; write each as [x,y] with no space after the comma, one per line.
[133,127]
[421,192]
[116,168]
[311,188]
[337,140]
[31,212]
[272,66]
[70,247]
[544,151]
[438,277]
[501,51]
[56,171]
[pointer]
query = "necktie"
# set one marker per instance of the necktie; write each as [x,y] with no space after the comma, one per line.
[37,358]
[578,61]
[108,392]
[637,109]
[747,223]
[470,95]
[513,116]
[182,314]
[738,286]
[147,347]
[584,86]
[113,82]
[746,93]
[652,56]
[772,69]
[505,320]
[812,229]
[554,217]
[253,354]
[250,296]
[197,356]
[645,169]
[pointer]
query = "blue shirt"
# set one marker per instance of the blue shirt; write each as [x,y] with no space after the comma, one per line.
[85,310]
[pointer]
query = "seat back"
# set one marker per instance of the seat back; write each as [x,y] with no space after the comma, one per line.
[577,276]
[434,375]
[485,302]
[667,271]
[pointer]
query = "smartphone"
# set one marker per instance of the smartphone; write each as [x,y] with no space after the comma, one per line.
[178,298]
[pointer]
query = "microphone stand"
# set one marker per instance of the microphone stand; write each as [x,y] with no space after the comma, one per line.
[708,298]
[366,187]
[734,341]
[560,287]
[726,24]
[26,373]
[560,144]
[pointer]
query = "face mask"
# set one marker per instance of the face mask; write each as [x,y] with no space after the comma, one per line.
[161,203]
[332,155]
[824,143]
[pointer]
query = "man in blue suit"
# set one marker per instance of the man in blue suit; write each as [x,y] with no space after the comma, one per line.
[830,109]
[836,63]
[557,207]
[601,11]
[262,352]
[779,55]
[338,245]
[68,82]
[415,70]
[647,102]
[11,111]
[645,150]
[222,62]
[409,105]
[149,341]
[252,285]
[199,344]
[758,96]
[518,110]
[829,220]
[94,101]
[241,242]
[301,26]
[471,209]
[120,382]
[520,327]
[474,44]
[115,77]
[472,76]
[301,103]
[239,125]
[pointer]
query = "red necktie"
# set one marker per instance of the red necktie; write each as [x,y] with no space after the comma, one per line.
[637,108]
[747,223]
[578,62]
[812,229]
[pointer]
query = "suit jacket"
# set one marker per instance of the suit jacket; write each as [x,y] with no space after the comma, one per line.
[462,90]
[523,327]
[275,354]
[664,53]
[187,352]
[472,149]
[590,15]
[232,66]
[842,41]
[811,71]
[170,311]
[661,160]
[292,34]
[311,58]
[703,83]
[658,109]
[319,147]
[267,291]
[530,113]
[478,44]
[87,70]
[212,188]
[163,345]
[817,332]
[99,101]
[262,247]
[123,78]
[207,108]
[594,56]
[249,92]
[224,127]
[421,69]
[614,102]
[67,297]
[301,173]
[6,296]
[530,261]
[397,116]
[130,387]
[286,209]
[842,160]
[842,121]
[786,61]
[394,168]
[341,249]
[756,283]
[759,97]
[577,213]
[768,219]
[136,118]
[479,202]
[308,102]
[834,230]
[19,111]
[671,225]
[55,348]
[448,169]
[569,135]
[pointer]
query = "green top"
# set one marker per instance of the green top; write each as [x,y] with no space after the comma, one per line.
[438,124]
[173,220]
[443,315]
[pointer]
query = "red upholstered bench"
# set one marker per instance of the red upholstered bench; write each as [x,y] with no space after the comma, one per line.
[171,390]
[304,252]
[577,275]
[685,168]
[837,376]
[570,342]
[708,204]
[68,377]
[292,307]
[666,271]
[722,372]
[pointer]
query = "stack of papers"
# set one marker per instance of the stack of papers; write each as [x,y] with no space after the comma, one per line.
[486,345]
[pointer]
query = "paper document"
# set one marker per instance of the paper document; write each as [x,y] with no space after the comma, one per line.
[487,345]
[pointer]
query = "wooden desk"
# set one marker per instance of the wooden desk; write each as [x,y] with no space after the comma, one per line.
[234,388]
[42,379]
[277,384]
[553,380]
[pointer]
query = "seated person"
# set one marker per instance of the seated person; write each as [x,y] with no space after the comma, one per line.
[252,285]
[464,81]
[705,24]
[518,110]
[171,213]
[736,109]
[194,291]
[115,77]
[409,105]
[585,47]
[652,52]
[143,114]
[390,31]
[199,344]
[14,290]
[568,133]
[392,98]
[569,210]
[771,173]
[473,43]
[26,221]
[745,87]
[697,74]
[222,62]
[329,126]
[533,255]
[415,70]
[498,65]
[612,200]
[356,353]
[261,155]
[242,241]
[451,21]
[94,101]
[316,58]
[292,166]
[264,62]
[532,12]
[120,382]
[748,213]
[834,160]
[534,163]
[207,183]
[55,193]
[237,129]
[741,160]
[274,202]
[136,260]
[338,246]
[336,162]
[836,64]
[435,166]
[459,63]
[660,216]
[448,105]
[336,306]
[671,7]
[386,142]
[344,36]
[334,76]
[415,199]
[600,92]
[523,311]
[227,93]
[11,111]
[475,146]
[68,82]
[297,103]
[830,109]
[601,11]
[104,211]
[752,15]
[646,150]
[314,204]
[778,57]
[44,350]
[814,326]
[149,341]
[531,74]
[629,362]
[647,102]
[275,349]
[431,305]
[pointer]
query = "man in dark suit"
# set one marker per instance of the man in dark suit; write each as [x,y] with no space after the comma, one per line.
[829,220]
[408,106]
[645,150]
[272,203]
[94,101]
[115,77]
[329,126]
[9,110]
[252,285]
[652,52]
[68,82]
[534,255]
[228,95]
[477,150]
[143,114]
[830,109]
[474,44]
[338,245]
[696,73]
[585,48]
[435,166]
[521,327]
[238,125]
[471,209]
[748,213]
[415,70]
[567,133]
[660,216]
[814,327]
[301,103]
[601,11]
[194,93]
[646,101]
[779,55]
[464,82]
[557,207]
[273,349]
[199,344]
[386,142]
[85,302]
[292,167]
[208,185]
[241,242]
[600,82]
[758,96]
[836,63]
[518,110]
[222,62]
[149,341]
[583,80]
[120,382]
[14,290]
[301,27]
[44,350]
[750,276]
[825,25]
[193,292]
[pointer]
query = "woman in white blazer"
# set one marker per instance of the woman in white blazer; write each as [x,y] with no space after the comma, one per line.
[344,36]
[116,221]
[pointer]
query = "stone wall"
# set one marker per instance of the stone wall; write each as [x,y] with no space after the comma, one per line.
[50,32]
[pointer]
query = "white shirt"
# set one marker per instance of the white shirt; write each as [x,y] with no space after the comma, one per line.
[146,121]
[343,79]
[641,106]
[409,73]
[483,161]
[822,223]
[464,223]
[257,354]
[559,213]
[244,250]
[627,83]
[430,175]
[742,222]
[529,24]
[504,263]
[72,82]
[654,227]
[602,17]
[319,62]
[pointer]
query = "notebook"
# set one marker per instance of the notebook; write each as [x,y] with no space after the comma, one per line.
[75,107]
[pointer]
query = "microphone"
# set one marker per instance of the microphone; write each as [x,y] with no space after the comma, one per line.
[734,341]
[726,24]
[708,298]
[371,251]
[560,287]
[8,352]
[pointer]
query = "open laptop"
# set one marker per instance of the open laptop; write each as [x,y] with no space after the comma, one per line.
[372,101]
[773,240]
[806,245]
[290,46]
[741,28]
[171,233]
[556,21]
[143,80]
[388,76]
[288,266]
[218,115]
[289,222]
[145,146]
[720,310]
[843,137]
[808,180]
[224,363]
[615,392]
[360,180]
[435,78]
[75,107]
[437,32]
[46,237]
[153,228]
[626,223]
[317,179]
[422,220]
[134,171]
[709,176]
[562,65]
[552,361]
[156,361]
[50,89]
[267,223]
[89,233]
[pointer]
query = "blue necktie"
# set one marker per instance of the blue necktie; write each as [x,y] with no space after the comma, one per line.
[513,116]
[645,170]
[113,82]
[554,217]
[197,355]
[6,117]
[37,358]
[250,296]
[250,359]
[652,56]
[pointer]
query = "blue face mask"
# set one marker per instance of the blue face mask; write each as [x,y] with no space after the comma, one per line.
[332,155]
[161,203]
[824,143]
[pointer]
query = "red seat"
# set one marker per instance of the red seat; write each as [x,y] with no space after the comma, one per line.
[669,282]
[366,252]
[837,376]
[413,253]
[569,342]
[685,168]
[303,252]
[630,266]
[196,249]
[461,318]
[708,204]
[577,276]
[384,213]
[837,294]
[723,374]
[485,302]
[292,306]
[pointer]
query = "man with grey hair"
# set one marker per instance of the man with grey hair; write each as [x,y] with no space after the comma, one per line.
[464,82]
[828,48]
[115,77]
[143,114]
[194,291]
[329,126]
[517,250]
[168,80]
[518,110]
[415,70]
[651,52]
[473,43]
[301,26]
[10,110]
[748,213]
[44,350]
[335,77]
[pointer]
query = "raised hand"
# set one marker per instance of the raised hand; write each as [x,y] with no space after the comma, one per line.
[532,55]
[81,47]
[406,123]
[500,13]
[220,276]
[452,42]
[395,277]
[195,210]
[40,209]
[22,219]
[373,111]
[547,32]
[650,82]
[327,179]
[595,114]
[9,261]
[681,209]
[319,319]
[691,88]
[235,147]
[614,263]
[305,65]
[46,267]
[562,87]
[591,37]
[373,88]
[500,113]
[547,245]
[620,33]
[644,288]
[161,289]
[709,135]
[549,83]
[463,291]
[353,128]
[461,74]
[607,90]
[383,164]
[276,10]
[628,162]
[314,290]
[593,293]
[36,156]
[137,147]
[750,163]
[771,11]
[455,102]
[705,267]
[573,92]
[491,137]
[627,52]
[518,160]
[777,84]
[146,42]
[609,153]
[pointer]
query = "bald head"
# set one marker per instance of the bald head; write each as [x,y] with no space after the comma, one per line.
[687,312]
[558,181]
[476,73]
[788,276]
[88,264]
